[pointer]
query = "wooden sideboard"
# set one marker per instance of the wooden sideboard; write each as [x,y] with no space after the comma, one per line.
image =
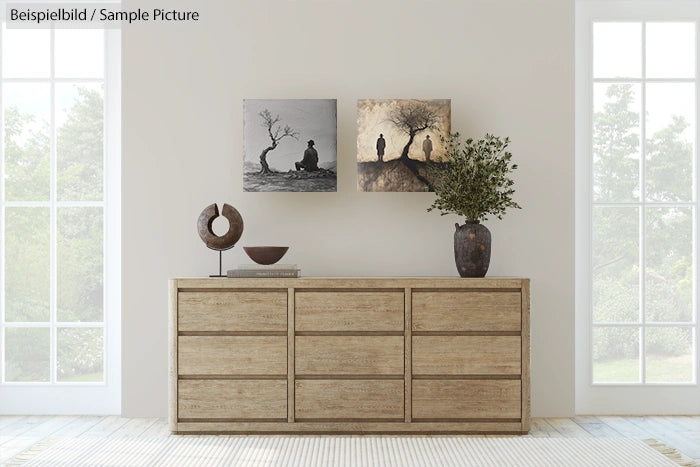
[350,355]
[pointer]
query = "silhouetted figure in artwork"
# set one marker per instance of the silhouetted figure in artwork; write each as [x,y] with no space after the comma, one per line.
[310,160]
[381,144]
[427,147]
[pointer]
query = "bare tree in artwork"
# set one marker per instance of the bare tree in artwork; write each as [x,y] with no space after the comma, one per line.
[277,133]
[412,118]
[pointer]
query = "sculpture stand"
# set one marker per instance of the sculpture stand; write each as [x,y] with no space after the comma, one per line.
[221,251]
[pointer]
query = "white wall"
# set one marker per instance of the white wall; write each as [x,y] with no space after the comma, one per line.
[508,67]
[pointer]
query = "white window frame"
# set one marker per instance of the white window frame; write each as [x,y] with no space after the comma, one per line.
[621,398]
[98,398]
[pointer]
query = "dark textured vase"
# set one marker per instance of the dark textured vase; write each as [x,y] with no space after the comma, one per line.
[472,249]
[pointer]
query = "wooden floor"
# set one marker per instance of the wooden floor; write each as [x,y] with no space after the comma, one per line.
[18,433]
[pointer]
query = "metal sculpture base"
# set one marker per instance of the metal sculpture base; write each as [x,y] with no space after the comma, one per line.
[221,274]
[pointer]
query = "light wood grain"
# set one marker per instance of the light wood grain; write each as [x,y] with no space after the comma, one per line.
[172,354]
[466,311]
[232,355]
[525,353]
[349,399]
[351,283]
[465,355]
[350,353]
[407,355]
[358,428]
[222,399]
[349,311]
[443,399]
[291,367]
[347,355]
[232,311]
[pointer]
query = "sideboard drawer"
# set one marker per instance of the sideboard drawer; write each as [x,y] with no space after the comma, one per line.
[349,399]
[232,399]
[232,355]
[349,355]
[232,311]
[466,355]
[349,311]
[466,311]
[466,399]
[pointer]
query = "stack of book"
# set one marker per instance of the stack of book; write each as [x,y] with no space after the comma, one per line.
[260,270]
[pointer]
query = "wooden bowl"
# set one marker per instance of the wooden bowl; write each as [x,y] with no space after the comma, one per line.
[266,254]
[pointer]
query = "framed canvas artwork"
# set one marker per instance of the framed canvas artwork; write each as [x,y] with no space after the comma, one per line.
[290,145]
[396,139]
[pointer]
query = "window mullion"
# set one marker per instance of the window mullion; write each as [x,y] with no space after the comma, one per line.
[642,212]
[52,216]
[2,220]
[696,220]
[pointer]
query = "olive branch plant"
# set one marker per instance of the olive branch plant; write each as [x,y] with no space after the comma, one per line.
[473,179]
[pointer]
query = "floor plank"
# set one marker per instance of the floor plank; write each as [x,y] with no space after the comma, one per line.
[28,438]
[159,429]
[625,427]
[568,428]
[539,428]
[78,426]
[133,428]
[105,427]
[597,428]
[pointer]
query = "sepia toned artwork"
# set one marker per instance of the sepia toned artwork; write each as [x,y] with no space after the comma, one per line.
[396,139]
[289,145]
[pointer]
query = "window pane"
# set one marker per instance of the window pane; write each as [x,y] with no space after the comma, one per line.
[80,354]
[616,130]
[79,145]
[79,53]
[27,354]
[669,265]
[615,264]
[670,141]
[615,355]
[617,50]
[26,53]
[670,50]
[669,355]
[79,264]
[27,269]
[27,148]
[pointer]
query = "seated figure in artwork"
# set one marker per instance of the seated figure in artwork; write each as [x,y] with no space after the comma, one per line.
[310,160]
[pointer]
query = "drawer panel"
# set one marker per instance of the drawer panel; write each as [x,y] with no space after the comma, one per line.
[466,355]
[455,399]
[466,311]
[349,355]
[349,399]
[227,399]
[232,311]
[232,355]
[349,311]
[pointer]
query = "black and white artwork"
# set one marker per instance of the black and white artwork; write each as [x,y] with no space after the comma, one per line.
[290,145]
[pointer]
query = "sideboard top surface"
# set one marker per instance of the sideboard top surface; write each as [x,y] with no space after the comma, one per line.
[352,282]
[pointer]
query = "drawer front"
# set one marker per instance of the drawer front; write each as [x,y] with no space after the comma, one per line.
[232,355]
[349,399]
[349,355]
[466,355]
[228,399]
[232,311]
[466,311]
[349,311]
[460,399]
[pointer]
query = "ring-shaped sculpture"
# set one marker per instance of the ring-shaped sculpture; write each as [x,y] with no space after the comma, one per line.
[223,242]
